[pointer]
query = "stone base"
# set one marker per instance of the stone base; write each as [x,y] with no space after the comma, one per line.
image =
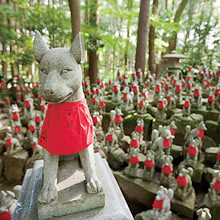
[143,193]
[14,165]
[115,205]
[148,216]
[72,194]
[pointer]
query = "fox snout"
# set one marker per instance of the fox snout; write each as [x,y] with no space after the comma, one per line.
[48,92]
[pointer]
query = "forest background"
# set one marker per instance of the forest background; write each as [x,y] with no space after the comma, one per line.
[125,34]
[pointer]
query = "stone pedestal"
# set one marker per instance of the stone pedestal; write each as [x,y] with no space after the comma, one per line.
[14,165]
[115,205]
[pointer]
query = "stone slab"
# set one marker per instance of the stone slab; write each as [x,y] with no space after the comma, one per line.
[143,192]
[72,194]
[115,205]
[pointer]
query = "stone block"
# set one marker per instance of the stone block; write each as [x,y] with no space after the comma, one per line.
[14,165]
[213,130]
[207,114]
[115,206]
[176,151]
[211,154]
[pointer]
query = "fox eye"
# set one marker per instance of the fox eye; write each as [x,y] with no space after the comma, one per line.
[65,70]
[43,71]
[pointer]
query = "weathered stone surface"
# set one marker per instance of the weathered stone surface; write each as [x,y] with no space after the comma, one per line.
[207,114]
[1,167]
[207,142]
[181,122]
[143,193]
[146,216]
[208,174]
[176,151]
[152,110]
[213,130]
[198,172]
[14,165]
[111,105]
[130,122]
[115,206]
[211,154]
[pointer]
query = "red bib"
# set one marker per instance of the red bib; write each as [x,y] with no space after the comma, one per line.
[18,129]
[133,75]
[15,116]
[187,104]
[158,204]
[27,103]
[210,99]
[5,215]
[18,96]
[166,86]
[115,88]
[147,83]
[201,133]
[94,100]
[149,163]
[31,128]
[218,156]
[134,160]
[110,138]
[157,88]
[178,88]
[102,104]
[7,101]
[181,181]
[216,92]
[167,169]
[125,96]
[95,120]
[38,119]
[9,142]
[216,185]
[191,150]
[141,104]
[118,119]
[196,92]
[43,108]
[134,143]
[161,105]
[166,142]
[168,99]
[188,85]
[67,128]
[139,129]
[172,131]
[135,89]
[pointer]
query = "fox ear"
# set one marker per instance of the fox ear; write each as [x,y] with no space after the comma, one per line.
[39,47]
[78,49]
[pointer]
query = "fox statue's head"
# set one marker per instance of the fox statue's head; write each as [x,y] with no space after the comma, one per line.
[60,72]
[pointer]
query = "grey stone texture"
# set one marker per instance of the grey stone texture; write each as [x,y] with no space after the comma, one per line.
[115,206]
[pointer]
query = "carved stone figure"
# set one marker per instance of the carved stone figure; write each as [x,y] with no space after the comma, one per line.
[203,214]
[102,104]
[127,100]
[217,164]
[28,108]
[178,92]
[197,97]
[61,86]
[133,164]
[161,205]
[161,110]
[214,190]
[184,184]
[157,91]
[142,106]
[217,95]
[171,101]
[140,128]
[38,123]
[192,153]
[135,89]
[189,86]
[187,107]
[12,144]
[166,171]
[116,94]
[97,119]
[149,166]
[211,101]
[117,122]
[43,108]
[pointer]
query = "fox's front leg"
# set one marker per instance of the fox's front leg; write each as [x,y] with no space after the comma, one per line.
[49,191]
[88,163]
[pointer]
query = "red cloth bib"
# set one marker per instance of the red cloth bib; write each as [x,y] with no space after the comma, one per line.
[27,103]
[94,100]
[166,86]
[18,96]
[216,185]
[218,156]
[149,163]
[139,129]
[210,99]
[196,92]
[133,75]
[172,131]
[191,150]
[135,89]
[158,204]
[134,143]
[15,116]
[147,83]
[67,128]
[134,160]
[118,119]
[125,96]
[43,108]
[39,98]
[216,92]
[31,128]
[181,181]
[87,92]
[166,142]
[178,88]
[102,104]
[157,88]
[110,138]
[95,120]
[115,88]
[5,215]
[201,133]
[18,129]
[187,104]
[188,85]
[93,92]
[168,99]
[161,105]
[188,78]
[38,119]
[141,104]
[9,142]
[167,169]
[7,101]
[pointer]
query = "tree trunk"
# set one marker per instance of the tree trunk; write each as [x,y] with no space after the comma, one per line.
[129,6]
[93,53]
[166,4]
[152,36]
[142,35]
[75,16]
[173,38]
[4,64]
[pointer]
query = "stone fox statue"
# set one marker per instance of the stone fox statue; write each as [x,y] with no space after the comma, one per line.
[68,126]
